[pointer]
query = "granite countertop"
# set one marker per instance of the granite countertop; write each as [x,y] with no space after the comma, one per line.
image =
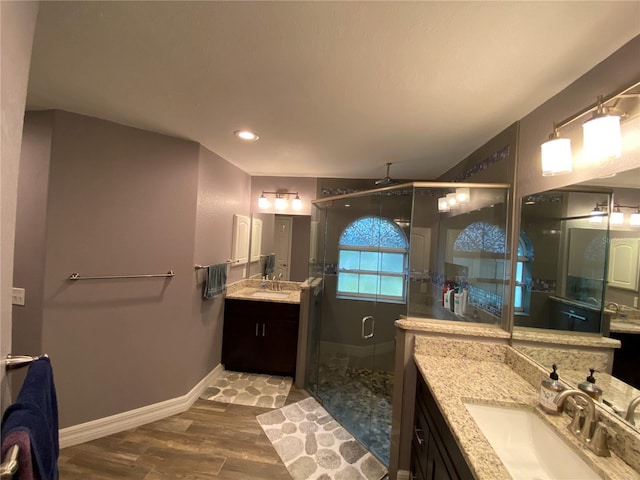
[625,326]
[457,377]
[451,327]
[558,337]
[265,295]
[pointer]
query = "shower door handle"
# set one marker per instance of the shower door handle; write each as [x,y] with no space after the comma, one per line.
[364,324]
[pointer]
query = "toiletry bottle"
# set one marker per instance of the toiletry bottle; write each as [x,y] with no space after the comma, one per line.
[549,390]
[446,298]
[589,386]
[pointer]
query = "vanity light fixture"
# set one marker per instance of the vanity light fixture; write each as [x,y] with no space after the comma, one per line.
[280,202]
[634,219]
[602,137]
[246,135]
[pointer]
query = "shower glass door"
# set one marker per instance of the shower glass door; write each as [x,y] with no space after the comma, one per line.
[365,265]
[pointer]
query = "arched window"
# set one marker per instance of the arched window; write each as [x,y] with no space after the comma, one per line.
[372,260]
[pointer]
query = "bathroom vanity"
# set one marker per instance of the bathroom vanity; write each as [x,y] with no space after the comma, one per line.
[261,331]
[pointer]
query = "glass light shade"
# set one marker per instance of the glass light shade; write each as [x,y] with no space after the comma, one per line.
[596,216]
[451,200]
[281,203]
[462,195]
[263,202]
[634,219]
[602,139]
[443,205]
[556,156]
[617,217]
[296,203]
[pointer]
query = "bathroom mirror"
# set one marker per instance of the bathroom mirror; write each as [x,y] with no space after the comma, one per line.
[286,236]
[578,271]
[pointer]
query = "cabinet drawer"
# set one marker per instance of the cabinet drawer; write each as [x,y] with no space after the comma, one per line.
[288,311]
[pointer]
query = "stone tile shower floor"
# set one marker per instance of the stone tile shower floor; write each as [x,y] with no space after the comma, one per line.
[361,400]
[251,389]
[313,446]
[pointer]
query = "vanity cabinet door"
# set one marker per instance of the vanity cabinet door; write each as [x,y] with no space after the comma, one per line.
[280,346]
[241,343]
[260,337]
[435,455]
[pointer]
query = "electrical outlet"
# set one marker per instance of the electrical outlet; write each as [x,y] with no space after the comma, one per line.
[635,302]
[17,296]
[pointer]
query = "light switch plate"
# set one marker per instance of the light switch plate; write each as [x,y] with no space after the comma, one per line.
[17,296]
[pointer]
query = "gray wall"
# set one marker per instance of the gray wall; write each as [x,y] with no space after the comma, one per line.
[31,221]
[223,190]
[126,201]
[17,24]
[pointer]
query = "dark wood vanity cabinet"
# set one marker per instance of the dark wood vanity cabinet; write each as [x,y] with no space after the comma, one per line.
[435,455]
[260,337]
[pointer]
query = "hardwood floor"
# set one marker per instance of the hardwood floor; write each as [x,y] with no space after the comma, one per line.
[209,441]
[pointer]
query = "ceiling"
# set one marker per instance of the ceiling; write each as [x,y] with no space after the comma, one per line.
[334,89]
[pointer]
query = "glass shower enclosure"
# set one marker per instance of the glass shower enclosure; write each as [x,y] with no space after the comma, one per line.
[392,252]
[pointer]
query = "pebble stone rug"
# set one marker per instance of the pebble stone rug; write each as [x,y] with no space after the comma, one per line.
[249,389]
[313,446]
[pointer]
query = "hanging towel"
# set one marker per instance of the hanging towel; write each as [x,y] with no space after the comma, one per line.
[270,264]
[216,281]
[36,414]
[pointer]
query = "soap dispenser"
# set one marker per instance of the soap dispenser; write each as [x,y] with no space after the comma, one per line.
[549,390]
[589,386]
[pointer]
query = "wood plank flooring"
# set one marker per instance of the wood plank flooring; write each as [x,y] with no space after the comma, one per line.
[209,441]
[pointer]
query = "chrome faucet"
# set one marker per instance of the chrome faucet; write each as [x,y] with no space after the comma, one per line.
[631,410]
[585,424]
[616,307]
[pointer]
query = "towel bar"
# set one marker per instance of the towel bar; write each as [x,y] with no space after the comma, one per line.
[10,465]
[200,267]
[76,276]
[17,361]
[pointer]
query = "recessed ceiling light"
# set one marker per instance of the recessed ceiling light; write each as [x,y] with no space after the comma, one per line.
[246,135]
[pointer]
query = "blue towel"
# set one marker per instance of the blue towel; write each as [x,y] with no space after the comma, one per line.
[216,281]
[36,413]
[270,264]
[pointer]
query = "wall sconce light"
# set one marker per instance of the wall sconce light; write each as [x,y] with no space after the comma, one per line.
[634,219]
[452,201]
[617,217]
[602,137]
[280,202]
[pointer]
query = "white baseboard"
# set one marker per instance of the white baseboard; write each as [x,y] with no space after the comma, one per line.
[102,427]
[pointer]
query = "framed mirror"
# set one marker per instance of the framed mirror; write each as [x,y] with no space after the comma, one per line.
[581,275]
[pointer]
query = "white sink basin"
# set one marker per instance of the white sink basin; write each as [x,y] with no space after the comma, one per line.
[527,446]
[270,295]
